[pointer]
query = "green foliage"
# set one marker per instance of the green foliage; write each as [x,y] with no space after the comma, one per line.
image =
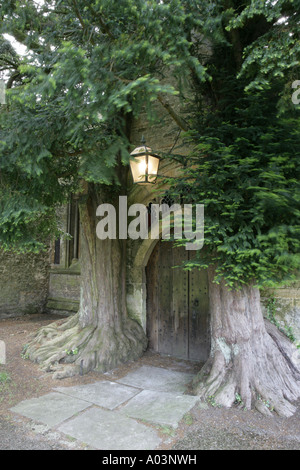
[93,66]
[250,190]
[24,353]
[238,399]
[212,401]
[188,419]
[244,166]
[71,352]
[4,377]
[7,387]
[90,68]
[267,403]
[276,52]
[271,308]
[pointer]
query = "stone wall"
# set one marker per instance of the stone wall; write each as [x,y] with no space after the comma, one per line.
[64,291]
[284,304]
[34,284]
[24,281]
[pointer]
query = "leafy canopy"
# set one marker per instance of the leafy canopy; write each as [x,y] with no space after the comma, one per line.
[92,66]
[244,166]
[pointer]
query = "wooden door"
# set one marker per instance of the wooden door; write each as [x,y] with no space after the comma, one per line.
[177,305]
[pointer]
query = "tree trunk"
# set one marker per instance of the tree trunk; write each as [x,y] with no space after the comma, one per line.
[251,362]
[101,335]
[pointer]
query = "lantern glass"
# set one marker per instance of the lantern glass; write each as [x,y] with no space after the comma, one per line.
[138,169]
[153,163]
[144,165]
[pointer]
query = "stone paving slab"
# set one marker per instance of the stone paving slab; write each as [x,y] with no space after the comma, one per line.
[51,409]
[159,407]
[151,394]
[107,394]
[110,430]
[158,379]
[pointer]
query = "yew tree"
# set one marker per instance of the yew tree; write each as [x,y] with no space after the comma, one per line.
[89,70]
[244,168]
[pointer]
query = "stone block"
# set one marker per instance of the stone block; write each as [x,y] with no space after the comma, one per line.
[157,379]
[51,409]
[107,430]
[164,409]
[107,394]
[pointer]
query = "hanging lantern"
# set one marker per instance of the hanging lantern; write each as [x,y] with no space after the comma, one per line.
[144,165]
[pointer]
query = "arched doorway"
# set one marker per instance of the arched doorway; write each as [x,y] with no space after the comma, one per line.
[177,305]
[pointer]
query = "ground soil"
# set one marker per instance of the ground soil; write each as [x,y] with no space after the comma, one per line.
[206,427]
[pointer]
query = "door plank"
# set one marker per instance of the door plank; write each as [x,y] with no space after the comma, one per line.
[165,336]
[198,315]
[180,311]
[152,276]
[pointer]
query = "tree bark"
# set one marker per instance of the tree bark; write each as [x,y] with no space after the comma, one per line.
[101,335]
[251,363]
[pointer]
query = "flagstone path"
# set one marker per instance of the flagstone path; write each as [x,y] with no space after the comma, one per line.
[125,414]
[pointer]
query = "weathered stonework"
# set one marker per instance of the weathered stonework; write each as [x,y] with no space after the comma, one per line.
[24,281]
[64,291]
[285,302]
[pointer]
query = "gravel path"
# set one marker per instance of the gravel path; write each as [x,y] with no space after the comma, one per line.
[239,430]
[19,437]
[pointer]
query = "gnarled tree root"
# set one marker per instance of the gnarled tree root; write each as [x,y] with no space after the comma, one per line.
[67,349]
[262,372]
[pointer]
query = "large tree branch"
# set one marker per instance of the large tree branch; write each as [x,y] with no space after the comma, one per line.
[81,20]
[164,102]
[23,39]
[104,28]
[10,63]
[237,47]
[78,14]
[235,39]
[179,121]
[13,78]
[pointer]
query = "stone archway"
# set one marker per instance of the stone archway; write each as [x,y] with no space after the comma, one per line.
[137,282]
